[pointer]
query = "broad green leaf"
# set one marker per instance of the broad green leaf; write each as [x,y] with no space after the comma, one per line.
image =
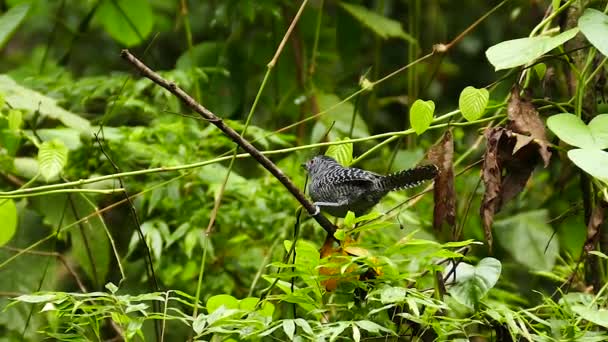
[421,115]
[342,153]
[26,167]
[10,21]
[599,130]
[203,54]
[592,161]
[474,282]
[380,25]
[8,217]
[594,25]
[52,157]
[525,236]
[473,102]
[129,22]
[289,327]
[573,131]
[248,303]
[599,317]
[31,101]
[215,302]
[516,52]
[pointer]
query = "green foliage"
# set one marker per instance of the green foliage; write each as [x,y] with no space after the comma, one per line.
[421,115]
[127,21]
[10,21]
[380,25]
[594,25]
[516,52]
[473,102]
[8,217]
[591,139]
[80,131]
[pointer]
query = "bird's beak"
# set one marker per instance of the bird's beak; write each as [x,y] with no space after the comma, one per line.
[303,165]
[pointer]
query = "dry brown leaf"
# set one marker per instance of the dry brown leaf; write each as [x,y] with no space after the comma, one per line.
[509,152]
[518,160]
[491,177]
[442,155]
[593,228]
[524,119]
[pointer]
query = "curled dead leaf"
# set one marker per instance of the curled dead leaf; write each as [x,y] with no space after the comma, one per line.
[524,119]
[508,164]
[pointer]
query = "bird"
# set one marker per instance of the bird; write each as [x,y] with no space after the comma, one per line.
[336,189]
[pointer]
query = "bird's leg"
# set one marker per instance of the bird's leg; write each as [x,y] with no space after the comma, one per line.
[331,204]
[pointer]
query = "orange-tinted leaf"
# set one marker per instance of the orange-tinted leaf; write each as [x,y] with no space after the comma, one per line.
[442,155]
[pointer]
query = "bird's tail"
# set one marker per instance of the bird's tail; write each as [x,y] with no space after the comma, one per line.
[409,178]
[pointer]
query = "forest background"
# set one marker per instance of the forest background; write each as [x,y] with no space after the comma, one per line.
[131,207]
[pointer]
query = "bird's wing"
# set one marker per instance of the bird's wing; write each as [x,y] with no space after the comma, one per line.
[354,176]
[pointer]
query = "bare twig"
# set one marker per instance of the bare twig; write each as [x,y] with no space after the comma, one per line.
[232,134]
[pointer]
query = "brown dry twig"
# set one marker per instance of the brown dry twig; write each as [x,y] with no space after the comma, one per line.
[233,135]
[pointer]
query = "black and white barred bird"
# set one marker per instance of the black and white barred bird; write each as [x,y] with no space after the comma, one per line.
[336,189]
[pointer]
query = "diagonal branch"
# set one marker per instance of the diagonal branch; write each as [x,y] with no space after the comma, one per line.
[232,134]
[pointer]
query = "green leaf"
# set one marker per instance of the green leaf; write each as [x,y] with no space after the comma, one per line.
[474,282]
[380,25]
[15,119]
[129,22]
[52,157]
[8,217]
[289,327]
[594,25]
[372,327]
[473,102]
[356,333]
[349,219]
[304,325]
[215,302]
[573,131]
[31,101]
[592,161]
[599,317]
[41,298]
[516,52]
[390,294]
[525,236]
[10,21]
[421,115]
[111,287]
[342,153]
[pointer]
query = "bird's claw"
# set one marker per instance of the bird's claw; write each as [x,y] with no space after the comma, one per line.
[317,211]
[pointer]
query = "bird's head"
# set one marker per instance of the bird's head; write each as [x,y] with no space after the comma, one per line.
[318,163]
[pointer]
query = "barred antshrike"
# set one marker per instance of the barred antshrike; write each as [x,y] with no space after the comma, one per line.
[336,189]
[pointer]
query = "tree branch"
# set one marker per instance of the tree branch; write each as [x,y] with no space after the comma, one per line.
[232,134]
